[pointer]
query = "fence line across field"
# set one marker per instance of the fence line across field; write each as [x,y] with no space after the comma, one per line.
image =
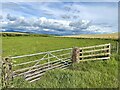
[62,60]
[56,51]
[56,56]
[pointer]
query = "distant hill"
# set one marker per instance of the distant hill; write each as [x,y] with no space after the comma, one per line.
[102,36]
[13,34]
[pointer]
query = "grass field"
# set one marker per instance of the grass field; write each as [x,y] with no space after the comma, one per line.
[101,36]
[13,46]
[99,74]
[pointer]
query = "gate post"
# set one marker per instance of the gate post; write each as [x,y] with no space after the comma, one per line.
[6,72]
[75,55]
[117,47]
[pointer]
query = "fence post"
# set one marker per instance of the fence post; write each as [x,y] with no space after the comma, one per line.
[6,72]
[109,50]
[117,47]
[75,55]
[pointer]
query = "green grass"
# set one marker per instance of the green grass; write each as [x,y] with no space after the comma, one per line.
[13,46]
[92,74]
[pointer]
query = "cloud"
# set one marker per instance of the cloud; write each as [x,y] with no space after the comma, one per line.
[1,17]
[59,25]
[64,10]
[83,24]
[100,29]
[59,17]
[51,26]
[95,11]
[11,18]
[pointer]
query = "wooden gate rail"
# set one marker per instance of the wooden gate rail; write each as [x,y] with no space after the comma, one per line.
[40,53]
[98,52]
[38,69]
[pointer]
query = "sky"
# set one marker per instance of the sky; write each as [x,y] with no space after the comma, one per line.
[61,18]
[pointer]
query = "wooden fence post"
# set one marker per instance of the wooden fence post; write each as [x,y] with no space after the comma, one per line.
[109,50]
[75,55]
[117,47]
[6,72]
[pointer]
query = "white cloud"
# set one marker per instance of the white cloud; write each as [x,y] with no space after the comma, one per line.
[69,18]
[51,25]
[54,24]
[99,29]
[97,13]
[11,18]
[50,30]
[83,24]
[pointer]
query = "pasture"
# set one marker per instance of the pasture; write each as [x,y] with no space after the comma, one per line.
[99,74]
[14,46]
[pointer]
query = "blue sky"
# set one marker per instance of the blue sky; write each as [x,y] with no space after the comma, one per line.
[63,18]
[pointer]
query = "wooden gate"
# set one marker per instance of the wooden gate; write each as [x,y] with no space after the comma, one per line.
[33,66]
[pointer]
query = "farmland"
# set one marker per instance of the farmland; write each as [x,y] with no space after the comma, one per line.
[101,36]
[99,74]
[14,46]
